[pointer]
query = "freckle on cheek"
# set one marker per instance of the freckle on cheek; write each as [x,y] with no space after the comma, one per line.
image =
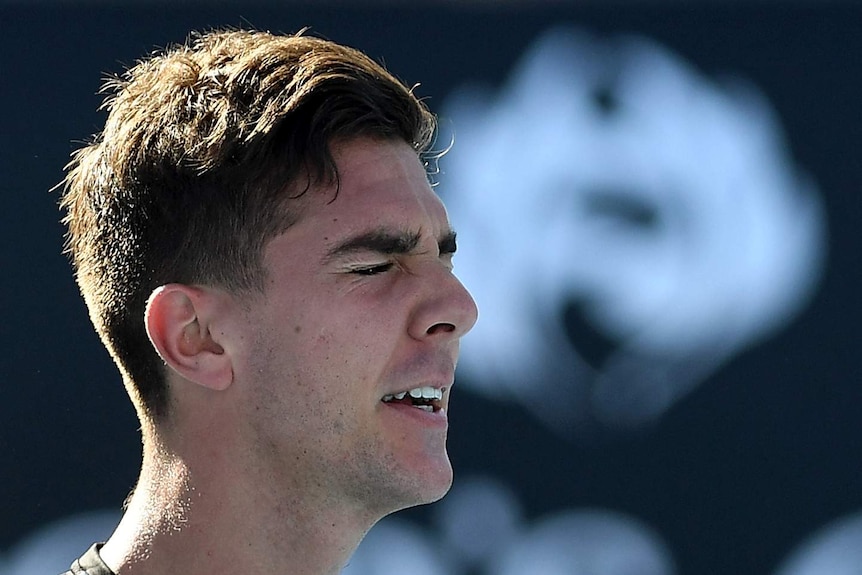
[297,328]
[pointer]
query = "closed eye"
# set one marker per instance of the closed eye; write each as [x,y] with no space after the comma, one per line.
[372,270]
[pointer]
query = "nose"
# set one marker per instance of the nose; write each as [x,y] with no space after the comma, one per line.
[447,310]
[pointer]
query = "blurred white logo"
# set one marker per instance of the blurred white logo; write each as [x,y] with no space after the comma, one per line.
[628,226]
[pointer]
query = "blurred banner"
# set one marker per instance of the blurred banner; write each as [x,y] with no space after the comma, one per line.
[658,212]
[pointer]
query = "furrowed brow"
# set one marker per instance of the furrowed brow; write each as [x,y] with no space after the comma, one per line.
[378,241]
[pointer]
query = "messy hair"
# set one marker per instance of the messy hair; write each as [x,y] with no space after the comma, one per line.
[206,153]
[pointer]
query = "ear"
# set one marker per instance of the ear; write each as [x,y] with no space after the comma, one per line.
[179,321]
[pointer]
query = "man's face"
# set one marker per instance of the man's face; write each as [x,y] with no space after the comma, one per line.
[360,307]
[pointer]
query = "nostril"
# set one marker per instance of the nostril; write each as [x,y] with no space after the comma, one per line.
[441,328]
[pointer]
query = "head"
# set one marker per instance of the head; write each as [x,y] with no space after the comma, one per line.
[209,151]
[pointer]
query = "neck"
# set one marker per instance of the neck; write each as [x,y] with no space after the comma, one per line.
[199,516]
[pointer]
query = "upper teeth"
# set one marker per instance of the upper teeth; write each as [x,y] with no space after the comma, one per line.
[426,392]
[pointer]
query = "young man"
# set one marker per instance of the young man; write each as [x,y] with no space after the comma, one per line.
[260,251]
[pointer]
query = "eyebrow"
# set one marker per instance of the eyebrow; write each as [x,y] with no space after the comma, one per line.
[389,242]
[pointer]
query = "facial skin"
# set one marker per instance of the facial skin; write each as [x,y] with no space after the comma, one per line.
[360,303]
[280,450]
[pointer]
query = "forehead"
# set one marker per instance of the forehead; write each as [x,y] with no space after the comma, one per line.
[381,183]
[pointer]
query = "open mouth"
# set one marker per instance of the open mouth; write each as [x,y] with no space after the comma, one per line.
[424,398]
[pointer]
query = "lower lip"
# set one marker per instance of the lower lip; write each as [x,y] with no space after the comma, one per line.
[428,418]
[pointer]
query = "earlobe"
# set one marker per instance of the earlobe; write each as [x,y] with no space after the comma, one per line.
[179,320]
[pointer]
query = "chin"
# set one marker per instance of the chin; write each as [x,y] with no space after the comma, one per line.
[438,489]
[432,483]
[420,485]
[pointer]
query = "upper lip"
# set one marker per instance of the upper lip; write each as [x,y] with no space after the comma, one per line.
[437,371]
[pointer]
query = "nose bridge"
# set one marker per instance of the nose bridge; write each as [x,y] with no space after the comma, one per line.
[446,309]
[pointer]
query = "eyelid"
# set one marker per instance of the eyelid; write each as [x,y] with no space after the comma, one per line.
[369,264]
[366,262]
[373,269]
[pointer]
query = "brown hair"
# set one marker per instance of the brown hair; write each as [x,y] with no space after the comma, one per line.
[203,147]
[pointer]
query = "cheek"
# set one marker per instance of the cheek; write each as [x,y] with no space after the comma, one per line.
[353,347]
[323,367]
[302,380]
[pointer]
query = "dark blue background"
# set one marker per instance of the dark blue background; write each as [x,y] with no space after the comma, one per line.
[733,477]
